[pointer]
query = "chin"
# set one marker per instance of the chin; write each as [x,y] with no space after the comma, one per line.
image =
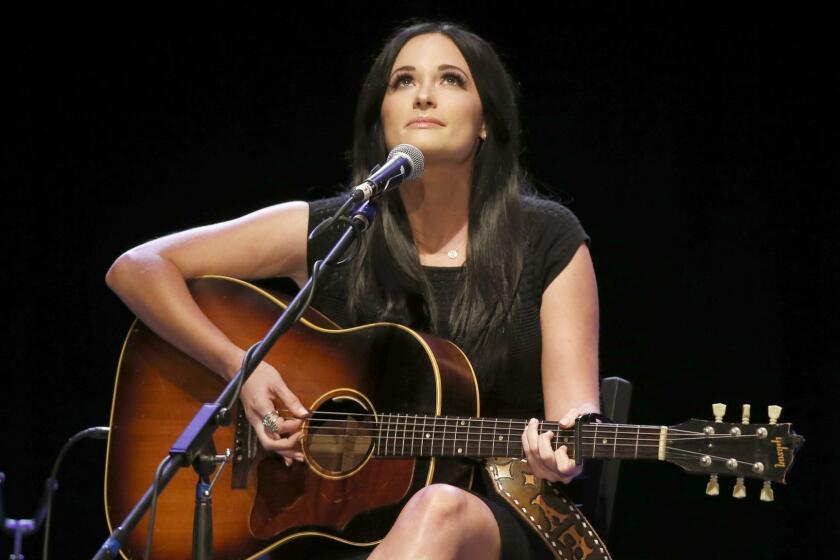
[434,151]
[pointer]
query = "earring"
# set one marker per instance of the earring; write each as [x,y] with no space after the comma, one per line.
[483,135]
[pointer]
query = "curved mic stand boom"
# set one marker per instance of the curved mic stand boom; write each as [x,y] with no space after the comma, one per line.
[187,449]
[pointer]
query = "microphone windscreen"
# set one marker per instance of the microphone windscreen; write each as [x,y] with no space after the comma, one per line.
[414,155]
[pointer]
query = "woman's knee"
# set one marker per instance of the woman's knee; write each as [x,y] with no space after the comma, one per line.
[440,502]
[451,522]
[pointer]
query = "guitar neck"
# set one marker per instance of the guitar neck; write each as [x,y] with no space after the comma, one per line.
[401,435]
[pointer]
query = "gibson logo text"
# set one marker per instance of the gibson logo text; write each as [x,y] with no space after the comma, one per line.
[780,452]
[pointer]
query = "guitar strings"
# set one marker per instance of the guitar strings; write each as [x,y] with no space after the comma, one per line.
[452,441]
[454,429]
[515,447]
[608,431]
[443,440]
[398,419]
[393,430]
[438,435]
[645,437]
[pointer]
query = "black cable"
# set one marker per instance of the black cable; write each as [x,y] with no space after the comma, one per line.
[153,508]
[98,432]
[2,507]
[319,229]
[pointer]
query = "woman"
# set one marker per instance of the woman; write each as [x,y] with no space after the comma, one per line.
[460,252]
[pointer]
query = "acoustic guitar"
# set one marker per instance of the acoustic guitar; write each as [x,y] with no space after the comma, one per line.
[394,410]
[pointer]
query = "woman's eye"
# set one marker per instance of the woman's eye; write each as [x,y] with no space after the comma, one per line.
[401,80]
[453,79]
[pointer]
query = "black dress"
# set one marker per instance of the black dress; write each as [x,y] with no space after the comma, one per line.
[552,236]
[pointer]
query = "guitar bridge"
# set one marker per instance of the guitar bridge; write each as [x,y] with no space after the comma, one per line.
[244,450]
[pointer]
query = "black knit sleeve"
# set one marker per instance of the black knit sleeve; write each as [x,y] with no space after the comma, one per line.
[320,210]
[554,235]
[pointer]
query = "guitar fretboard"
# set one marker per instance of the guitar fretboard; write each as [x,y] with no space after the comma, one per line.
[401,435]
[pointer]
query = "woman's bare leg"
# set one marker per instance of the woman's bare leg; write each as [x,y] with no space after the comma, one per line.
[442,522]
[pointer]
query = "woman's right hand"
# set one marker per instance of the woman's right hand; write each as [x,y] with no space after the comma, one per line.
[264,386]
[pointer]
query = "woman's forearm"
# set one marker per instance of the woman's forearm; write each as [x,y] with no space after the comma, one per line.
[156,291]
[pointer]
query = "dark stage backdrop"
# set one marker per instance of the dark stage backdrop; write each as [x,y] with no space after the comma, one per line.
[693,146]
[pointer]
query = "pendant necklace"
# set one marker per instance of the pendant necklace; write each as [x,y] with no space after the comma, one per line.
[451,253]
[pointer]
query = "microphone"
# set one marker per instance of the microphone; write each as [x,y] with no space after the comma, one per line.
[404,163]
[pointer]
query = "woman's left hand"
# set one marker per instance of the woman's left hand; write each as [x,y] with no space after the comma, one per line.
[546,462]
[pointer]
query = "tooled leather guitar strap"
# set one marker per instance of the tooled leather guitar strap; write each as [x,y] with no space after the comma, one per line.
[555,518]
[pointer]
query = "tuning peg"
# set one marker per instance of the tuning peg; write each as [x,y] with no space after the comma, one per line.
[766,492]
[740,491]
[713,488]
[745,415]
[719,409]
[774,412]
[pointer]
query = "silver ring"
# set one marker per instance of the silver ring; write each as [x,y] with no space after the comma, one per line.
[269,422]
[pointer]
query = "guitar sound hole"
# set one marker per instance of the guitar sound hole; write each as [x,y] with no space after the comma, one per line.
[340,435]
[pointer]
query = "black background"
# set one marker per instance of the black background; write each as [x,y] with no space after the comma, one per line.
[694,146]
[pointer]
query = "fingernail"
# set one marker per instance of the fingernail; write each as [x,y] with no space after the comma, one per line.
[564,420]
[299,458]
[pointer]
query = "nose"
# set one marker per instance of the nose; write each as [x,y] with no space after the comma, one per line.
[424,98]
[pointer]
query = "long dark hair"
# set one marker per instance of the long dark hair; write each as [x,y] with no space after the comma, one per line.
[389,265]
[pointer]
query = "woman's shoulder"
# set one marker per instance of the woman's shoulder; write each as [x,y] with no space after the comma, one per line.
[553,235]
[326,205]
[541,213]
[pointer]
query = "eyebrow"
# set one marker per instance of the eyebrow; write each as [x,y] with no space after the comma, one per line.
[441,67]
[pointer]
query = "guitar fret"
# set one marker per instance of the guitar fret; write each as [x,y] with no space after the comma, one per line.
[594,439]
[480,437]
[507,444]
[388,432]
[392,437]
[395,428]
[615,440]
[560,440]
[636,450]
[423,436]
[467,440]
[434,433]
[455,436]
[383,427]
[493,441]
[413,435]
[396,436]
[379,435]
[395,424]
[405,429]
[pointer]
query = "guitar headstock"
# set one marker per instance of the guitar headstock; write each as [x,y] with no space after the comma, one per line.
[743,450]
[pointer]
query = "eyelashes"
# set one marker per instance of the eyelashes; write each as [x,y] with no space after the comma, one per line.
[449,77]
[401,79]
[454,78]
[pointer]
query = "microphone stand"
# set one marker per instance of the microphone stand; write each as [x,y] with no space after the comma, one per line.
[188,448]
[20,528]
